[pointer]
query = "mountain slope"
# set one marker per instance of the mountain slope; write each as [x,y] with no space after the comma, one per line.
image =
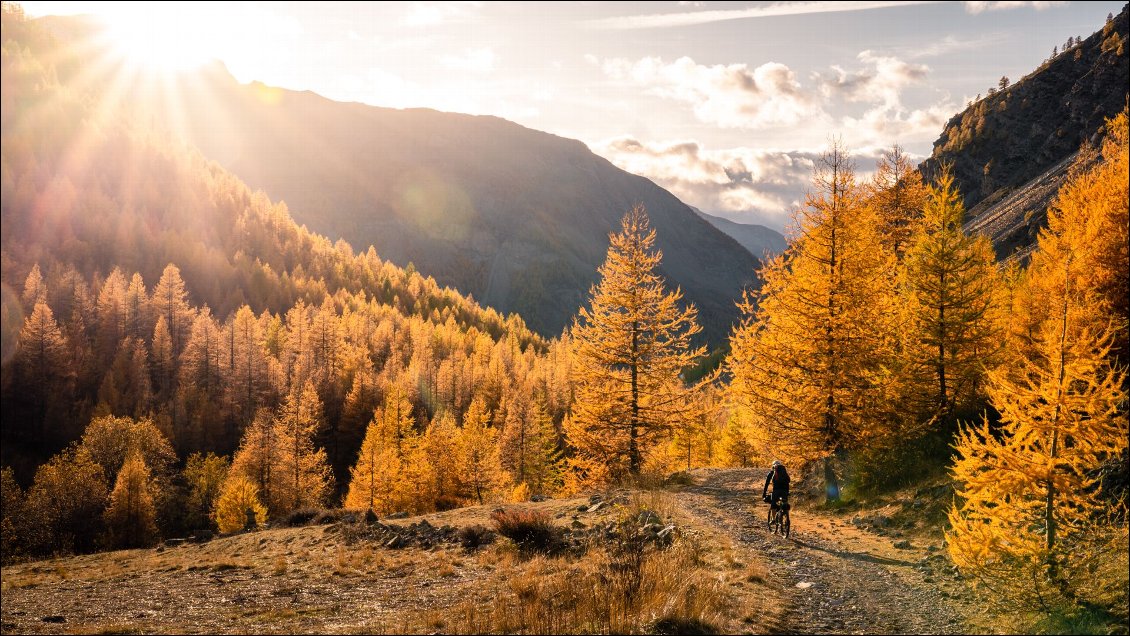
[98,209]
[1007,150]
[516,217]
[761,241]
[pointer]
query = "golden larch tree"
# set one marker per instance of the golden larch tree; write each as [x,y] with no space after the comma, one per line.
[257,458]
[898,196]
[950,287]
[441,444]
[131,518]
[1030,500]
[375,478]
[305,478]
[481,471]
[239,496]
[205,476]
[806,357]
[630,346]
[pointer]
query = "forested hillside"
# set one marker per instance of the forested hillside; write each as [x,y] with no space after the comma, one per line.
[515,217]
[155,282]
[1010,149]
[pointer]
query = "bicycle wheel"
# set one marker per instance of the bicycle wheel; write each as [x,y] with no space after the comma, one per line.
[769,520]
[786,525]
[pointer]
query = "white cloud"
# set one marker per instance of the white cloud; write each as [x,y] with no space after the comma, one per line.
[881,82]
[428,14]
[951,43]
[691,18]
[981,7]
[471,61]
[741,183]
[733,96]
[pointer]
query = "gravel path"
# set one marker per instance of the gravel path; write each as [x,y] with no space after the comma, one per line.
[838,579]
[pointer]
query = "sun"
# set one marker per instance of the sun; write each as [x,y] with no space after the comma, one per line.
[161,37]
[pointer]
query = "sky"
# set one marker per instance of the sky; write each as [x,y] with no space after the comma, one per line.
[725,104]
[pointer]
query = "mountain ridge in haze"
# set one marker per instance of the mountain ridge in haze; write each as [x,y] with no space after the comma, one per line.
[761,241]
[517,218]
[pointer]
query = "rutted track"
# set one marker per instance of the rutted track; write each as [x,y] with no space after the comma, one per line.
[834,584]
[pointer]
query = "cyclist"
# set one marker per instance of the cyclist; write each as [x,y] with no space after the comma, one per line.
[779,477]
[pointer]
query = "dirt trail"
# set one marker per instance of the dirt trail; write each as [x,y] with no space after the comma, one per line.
[836,578]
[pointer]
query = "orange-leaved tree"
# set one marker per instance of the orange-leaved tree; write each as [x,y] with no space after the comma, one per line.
[808,356]
[1029,516]
[630,346]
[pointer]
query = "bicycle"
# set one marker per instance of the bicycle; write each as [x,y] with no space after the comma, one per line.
[779,521]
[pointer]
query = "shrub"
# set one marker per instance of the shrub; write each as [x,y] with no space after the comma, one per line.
[301,517]
[531,530]
[473,537]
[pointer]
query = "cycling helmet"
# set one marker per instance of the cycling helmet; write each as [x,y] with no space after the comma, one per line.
[776,463]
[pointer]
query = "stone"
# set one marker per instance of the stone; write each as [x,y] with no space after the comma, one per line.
[902,545]
[594,499]
[54,618]
[538,498]
[396,543]
[665,532]
[647,517]
[399,515]
[596,506]
[577,523]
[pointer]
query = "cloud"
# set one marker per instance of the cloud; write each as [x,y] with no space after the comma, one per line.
[742,184]
[471,61]
[691,18]
[881,82]
[733,96]
[981,7]
[883,127]
[428,14]
[951,43]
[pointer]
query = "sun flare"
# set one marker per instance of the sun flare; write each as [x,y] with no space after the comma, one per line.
[158,43]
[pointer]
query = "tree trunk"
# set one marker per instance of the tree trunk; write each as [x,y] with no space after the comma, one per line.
[633,445]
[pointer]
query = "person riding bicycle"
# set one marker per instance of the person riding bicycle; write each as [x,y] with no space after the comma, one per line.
[779,477]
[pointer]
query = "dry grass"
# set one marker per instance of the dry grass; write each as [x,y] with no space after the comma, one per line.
[628,586]
[309,579]
[599,593]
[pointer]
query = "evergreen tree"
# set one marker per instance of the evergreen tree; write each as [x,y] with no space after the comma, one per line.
[631,344]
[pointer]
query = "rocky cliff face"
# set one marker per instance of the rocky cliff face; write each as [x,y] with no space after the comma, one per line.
[1009,150]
